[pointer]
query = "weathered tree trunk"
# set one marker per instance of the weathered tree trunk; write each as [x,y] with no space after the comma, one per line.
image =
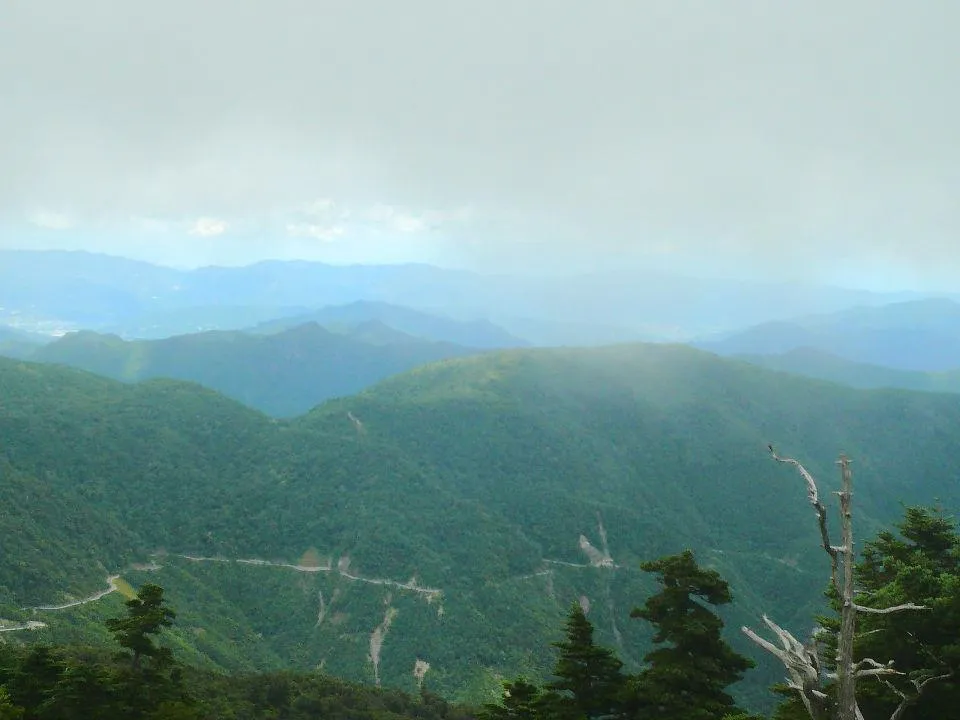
[846,672]
[802,662]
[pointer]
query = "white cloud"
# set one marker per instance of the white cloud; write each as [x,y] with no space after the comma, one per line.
[326,233]
[747,133]
[50,220]
[324,207]
[404,221]
[208,227]
[150,224]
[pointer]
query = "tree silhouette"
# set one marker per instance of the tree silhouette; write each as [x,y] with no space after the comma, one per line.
[687,676]
[588,682]
[146,616]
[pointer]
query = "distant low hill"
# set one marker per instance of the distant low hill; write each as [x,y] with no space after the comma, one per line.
[920,335]
[282,374]
[18,343]
[157,324]
[475,334]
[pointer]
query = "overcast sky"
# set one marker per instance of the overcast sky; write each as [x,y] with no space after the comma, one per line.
[774,137]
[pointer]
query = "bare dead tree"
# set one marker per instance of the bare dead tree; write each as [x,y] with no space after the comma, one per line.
[805,672]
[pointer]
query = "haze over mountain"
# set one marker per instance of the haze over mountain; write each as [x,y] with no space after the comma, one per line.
[818,364]
[283,374]
[358,298]
[476,334]
[920,335]
[49,290]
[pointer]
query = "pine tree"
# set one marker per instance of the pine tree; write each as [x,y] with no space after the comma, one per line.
[588,682]
[146,616]
[521,701]
[922,565]
[687,676]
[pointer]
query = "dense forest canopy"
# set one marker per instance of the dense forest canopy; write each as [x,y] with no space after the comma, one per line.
[528,479]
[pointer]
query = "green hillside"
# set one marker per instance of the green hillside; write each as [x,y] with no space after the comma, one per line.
[449,514]
[283,374]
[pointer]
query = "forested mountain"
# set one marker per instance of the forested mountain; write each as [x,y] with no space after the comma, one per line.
[448,515]
[826,366]
[476,334]
[282,374]
[920,335]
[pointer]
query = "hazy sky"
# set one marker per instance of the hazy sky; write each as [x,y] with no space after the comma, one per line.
[773,137]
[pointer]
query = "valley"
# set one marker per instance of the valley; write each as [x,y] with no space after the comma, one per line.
[448,514]
[479,361]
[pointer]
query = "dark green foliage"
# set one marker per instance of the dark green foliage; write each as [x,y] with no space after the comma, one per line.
[9,711]
[29,680]
[919,564]
[476,476]
[521,700]
[790,706]
[82,684]
[687,675]
[588,683]
[146,616]
[83,691]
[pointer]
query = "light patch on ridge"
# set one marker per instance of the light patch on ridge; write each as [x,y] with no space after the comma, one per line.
[377,638]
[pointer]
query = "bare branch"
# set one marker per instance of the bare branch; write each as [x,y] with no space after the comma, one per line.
[803,662]
[921,684]
[813,496]
[871,663]
[907,700]
[766,645]
[887,611]
[802,666]
[875,672]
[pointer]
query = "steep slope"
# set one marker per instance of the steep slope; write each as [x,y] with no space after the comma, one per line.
[476,334]
[452,513]
[826,366]
[283,374]
[76,452]
[921,335]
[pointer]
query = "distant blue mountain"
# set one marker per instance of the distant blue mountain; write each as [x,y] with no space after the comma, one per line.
[475,334]
[920,335]
[814,363]
[74,290]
